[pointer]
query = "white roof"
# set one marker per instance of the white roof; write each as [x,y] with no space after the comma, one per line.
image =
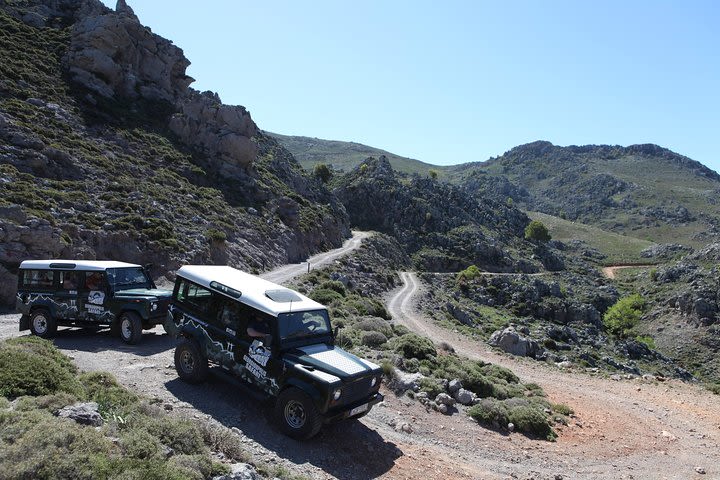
[94,265]
[253,288]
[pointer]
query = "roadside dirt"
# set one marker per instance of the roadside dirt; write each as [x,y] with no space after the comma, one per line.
[609,271]
[622,429]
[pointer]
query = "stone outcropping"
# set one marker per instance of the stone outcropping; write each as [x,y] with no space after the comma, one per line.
[113,54]
[510,341]
[82,413]
[222,132]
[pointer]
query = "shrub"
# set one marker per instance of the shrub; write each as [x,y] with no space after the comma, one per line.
[373,339]
[647,340]
[325,296]
[561,408]
[431,386]
[388,369]
[216,236]
[536,230]
[415,346]
[375,324]
[111,397]
[334,285]
[221,439]
[33,366]
[432,173]
[470,273]
[531,420]
[322,172]
[489,412]
[621,318]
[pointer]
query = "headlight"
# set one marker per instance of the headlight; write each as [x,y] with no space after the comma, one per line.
[153,306]
[336,395]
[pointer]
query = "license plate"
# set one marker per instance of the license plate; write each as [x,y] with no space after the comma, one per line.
[360,409]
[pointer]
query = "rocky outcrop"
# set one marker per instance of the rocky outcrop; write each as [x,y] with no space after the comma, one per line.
[510,341]
[114,55]
[82,413]
[222,132]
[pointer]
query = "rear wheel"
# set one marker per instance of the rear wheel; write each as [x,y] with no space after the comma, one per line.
[42,323]
[190,363]
[130,327]
[297,415]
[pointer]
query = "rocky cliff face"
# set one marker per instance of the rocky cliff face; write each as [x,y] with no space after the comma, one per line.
[443,227]
[105,152]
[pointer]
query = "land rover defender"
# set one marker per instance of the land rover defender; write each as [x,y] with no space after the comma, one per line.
[89,294]
[273,339]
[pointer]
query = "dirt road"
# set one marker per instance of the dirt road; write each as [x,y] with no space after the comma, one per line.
[624,429]
[287,272]
[609,271]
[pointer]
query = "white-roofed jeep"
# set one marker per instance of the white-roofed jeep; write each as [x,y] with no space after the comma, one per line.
[89,294]
[296,362]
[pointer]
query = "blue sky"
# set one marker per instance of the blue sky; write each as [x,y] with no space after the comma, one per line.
[459,81]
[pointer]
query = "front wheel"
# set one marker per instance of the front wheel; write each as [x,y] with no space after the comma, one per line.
[42,323]
[130,328]
[190,363]
[297,415]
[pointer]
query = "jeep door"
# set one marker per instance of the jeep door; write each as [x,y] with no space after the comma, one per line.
[66,295]
[95,297]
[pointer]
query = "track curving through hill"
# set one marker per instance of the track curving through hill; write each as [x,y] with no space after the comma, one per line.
[623,429]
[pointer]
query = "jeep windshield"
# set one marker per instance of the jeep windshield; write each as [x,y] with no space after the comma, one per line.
[301,325]
[128,278]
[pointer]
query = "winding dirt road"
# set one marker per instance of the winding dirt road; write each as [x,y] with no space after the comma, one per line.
[623,429]
[610,270]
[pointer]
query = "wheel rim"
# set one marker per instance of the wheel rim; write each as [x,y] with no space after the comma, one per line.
[187,361]
[295,414]
[126,328]
[40,323]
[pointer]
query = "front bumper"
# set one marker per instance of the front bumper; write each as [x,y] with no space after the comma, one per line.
[344,411]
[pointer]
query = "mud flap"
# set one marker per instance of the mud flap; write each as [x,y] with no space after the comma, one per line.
[24,322]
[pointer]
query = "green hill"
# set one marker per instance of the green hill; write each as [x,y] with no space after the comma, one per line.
[345,156]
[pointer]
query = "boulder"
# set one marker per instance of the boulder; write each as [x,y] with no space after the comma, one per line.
[82,413]
[407,381]
[465,397]
[454,385]
[510,341]
[445,399]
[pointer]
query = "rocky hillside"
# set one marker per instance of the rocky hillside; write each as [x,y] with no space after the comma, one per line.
[105,152]
[643,190]
[439,225]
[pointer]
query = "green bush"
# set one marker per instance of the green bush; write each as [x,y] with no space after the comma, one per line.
[373,339]
[325,296]
[536,230]
[322,172]
[489,412]
[431,386]
[621,318]
[375,324]
[647,340]
[388,369]
[470,273]
[415,346]
[216,236]
[33,366]
[103,388]
[561,408]
[334,285]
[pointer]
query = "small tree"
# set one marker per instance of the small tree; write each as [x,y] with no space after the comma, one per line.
[322,172]
[433,173]
[621,318]
[536,230]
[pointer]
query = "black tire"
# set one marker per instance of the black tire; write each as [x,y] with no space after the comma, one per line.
[297,415]
[42,324]
[130,328]
[190,363]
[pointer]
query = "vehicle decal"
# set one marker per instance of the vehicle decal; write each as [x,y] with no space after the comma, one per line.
[319,374]
[223,355]
[96,297]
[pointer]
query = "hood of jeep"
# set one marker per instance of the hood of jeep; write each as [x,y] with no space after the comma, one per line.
[333,360]
[144,292]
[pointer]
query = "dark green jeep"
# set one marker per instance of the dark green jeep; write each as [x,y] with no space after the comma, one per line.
[273,339]
[89,294]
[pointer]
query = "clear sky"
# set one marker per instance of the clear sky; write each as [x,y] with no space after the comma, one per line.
[457,81]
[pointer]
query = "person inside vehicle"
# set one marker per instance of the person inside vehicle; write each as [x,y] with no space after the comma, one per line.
[258,327]
[70,281]
[94,281]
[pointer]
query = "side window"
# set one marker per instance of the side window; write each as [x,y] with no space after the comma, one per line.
[38,278]
[69,280]
[196,297]
[230,315]
[95,281]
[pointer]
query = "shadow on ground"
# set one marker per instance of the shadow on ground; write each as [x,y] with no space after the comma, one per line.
[347,450]
[92,341]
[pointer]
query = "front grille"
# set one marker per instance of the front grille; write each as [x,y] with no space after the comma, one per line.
[357,390]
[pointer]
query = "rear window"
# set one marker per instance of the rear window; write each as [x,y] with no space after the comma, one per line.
[38,278]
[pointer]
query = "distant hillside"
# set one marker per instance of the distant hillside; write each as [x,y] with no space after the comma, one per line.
[344,155]
[644,191]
